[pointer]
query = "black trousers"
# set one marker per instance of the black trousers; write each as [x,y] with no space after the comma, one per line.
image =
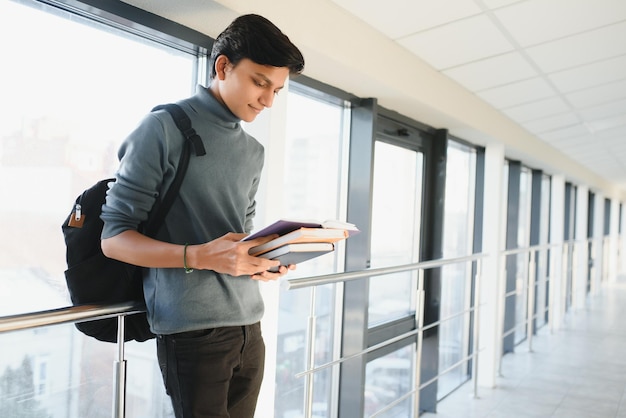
[213,373]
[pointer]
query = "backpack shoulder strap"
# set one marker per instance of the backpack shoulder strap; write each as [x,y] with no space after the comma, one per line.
[183,123]
[192,139]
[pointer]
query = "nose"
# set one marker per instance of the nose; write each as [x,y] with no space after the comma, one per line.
[267,98]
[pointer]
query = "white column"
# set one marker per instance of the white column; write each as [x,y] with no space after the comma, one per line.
[490,327]
[557,279]
[581,267]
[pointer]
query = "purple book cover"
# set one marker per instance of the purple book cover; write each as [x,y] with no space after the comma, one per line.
[282,227]
[285,226]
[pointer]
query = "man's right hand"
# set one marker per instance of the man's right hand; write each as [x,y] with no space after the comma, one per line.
[229,254]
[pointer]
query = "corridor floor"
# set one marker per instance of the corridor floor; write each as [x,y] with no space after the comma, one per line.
[577,371]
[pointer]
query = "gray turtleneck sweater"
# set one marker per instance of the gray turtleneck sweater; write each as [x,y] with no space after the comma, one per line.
[216,197]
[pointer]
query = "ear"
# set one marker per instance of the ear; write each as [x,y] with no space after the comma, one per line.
[221,66]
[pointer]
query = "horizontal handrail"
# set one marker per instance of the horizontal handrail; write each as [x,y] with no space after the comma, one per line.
[67,315]
[302,282]
[100,311]
[403,336]
[543,247]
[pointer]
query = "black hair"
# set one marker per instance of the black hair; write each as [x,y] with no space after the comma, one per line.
[256,38]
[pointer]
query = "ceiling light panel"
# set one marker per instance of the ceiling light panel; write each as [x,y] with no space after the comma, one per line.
[517,93]
[399,18]
[536,110]
[605,110]
[538,21]
[565,133]
[585,48]
[598,95]
[553,122]
[590,75]
[496,4]
[458,43]
[491,72]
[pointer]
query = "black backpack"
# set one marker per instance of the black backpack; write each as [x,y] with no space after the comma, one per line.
[91,277]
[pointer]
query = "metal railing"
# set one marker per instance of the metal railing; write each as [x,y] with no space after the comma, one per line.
[80,314]
[95,312]
[418,332]
[570,254]
[532,312]
[67,315]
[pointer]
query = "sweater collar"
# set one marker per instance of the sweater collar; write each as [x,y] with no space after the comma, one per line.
[216,108]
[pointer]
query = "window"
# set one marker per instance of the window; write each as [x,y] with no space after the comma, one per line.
[70,92]
[456,282]
[542,257]
[387,379]
[65,110]
[523,241]
[315,162]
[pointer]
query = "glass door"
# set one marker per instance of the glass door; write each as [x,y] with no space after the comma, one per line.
[396,215]
[395,240]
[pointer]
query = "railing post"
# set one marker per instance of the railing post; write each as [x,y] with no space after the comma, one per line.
[310,358]
[605,259]
[551,297]
[531,300]
[501,302]
[476,347]
[564,280]
[119,373]
[572,273]
[591,264]
[419,316]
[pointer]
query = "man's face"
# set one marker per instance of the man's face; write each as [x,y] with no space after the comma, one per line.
[247,88]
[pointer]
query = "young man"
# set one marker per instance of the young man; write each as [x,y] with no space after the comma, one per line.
[201,288]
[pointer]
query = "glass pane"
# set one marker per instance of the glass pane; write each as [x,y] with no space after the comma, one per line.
[388,378]
[313,178]
[64,111]
[456,279]
[570,233]
[542,256]
[396,214]
[58,372]
[67,100]
[523,241]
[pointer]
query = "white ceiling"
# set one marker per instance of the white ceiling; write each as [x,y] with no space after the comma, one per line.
[556,67]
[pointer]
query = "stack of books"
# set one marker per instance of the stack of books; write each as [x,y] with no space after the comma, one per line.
[299,241]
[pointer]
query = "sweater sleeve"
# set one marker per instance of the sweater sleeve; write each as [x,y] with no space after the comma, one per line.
[251,210]
[143,166]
